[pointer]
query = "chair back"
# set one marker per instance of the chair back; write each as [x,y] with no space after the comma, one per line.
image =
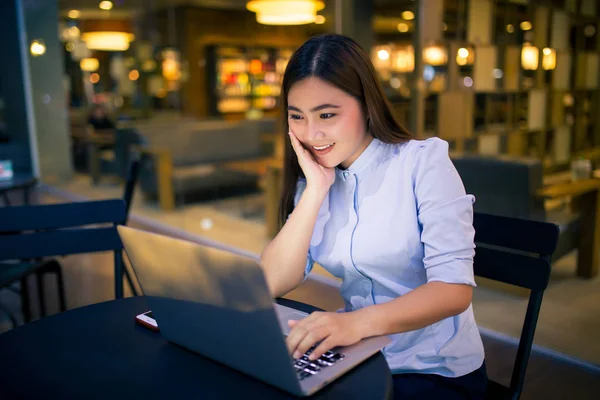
[517,252]
[502,185]
[37,231]
[130,182]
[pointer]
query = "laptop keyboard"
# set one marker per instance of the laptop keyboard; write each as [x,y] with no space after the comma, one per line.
[305,367]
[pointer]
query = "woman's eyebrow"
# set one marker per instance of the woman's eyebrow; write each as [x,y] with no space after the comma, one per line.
[317,108]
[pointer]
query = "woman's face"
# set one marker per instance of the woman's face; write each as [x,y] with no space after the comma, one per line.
[328,121]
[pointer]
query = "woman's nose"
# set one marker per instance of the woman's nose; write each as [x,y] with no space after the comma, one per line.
[314,131]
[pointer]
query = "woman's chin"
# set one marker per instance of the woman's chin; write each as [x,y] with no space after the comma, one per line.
[327,162]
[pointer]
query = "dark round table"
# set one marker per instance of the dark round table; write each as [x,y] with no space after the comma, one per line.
[24,182]
[99,351]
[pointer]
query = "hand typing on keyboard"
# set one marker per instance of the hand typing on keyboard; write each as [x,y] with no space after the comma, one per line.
[323,331]
[306,367]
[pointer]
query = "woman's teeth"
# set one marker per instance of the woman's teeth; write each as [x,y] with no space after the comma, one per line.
[322,147]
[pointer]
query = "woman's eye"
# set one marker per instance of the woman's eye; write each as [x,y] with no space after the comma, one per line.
[295,116]
[327,115]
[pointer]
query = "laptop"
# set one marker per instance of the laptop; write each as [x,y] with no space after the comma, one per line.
[217,304]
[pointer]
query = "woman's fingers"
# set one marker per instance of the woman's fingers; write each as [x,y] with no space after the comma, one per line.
[303,155]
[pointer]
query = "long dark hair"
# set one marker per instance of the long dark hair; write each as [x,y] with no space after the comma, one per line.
[341,62]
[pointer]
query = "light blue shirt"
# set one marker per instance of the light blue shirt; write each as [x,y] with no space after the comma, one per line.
[395,220]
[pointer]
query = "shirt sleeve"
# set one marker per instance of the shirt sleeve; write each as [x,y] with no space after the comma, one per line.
[445,213]
[300,187]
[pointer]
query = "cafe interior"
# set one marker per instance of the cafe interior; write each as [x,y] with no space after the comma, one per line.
[174,107]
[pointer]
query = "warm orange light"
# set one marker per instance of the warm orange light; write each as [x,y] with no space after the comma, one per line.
[171,68]
[285,12]
[530,57]
[89,64]
[255,66]
[134,75]
[402,27]
[548,58]
[526,25]
[106,5]
[94,78]
[107,41]
[435,55]
[408,15]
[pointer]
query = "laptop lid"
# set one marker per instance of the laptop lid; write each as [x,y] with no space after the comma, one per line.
[212,302]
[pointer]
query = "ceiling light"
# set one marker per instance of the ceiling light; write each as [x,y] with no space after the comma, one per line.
[73,14]
[285,12]
[319,20]
[106,5]
[408,15]
[383,54]
[89,64]
[548,59]
[402,27]
[530,57]
[435,55]
[37,47]
[526,25]
[107,41]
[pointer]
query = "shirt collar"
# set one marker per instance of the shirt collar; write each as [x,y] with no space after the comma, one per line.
[362,161]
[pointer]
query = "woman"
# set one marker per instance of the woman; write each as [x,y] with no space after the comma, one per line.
[384,212]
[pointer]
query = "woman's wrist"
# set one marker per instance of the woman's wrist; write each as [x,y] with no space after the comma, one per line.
[368,322]
[317,192]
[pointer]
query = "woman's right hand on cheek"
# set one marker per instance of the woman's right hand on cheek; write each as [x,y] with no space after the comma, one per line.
[317,176]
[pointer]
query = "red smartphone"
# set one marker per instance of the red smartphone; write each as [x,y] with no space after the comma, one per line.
[147,321]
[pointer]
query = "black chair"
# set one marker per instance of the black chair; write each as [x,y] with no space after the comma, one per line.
[130,182]
[13,272]
[517,252]
[34,232]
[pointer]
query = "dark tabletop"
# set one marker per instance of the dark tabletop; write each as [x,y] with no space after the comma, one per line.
[99,351]
[17,182]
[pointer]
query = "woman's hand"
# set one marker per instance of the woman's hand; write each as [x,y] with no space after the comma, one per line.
[329,328]
[317,176]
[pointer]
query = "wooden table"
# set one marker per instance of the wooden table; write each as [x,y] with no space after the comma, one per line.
[270,170]
[586,201]
[94,141]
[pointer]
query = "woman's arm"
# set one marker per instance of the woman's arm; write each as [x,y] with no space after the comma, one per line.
[284,258]
[424,306]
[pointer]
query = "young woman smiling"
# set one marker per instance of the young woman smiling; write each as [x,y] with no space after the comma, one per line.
[386,213]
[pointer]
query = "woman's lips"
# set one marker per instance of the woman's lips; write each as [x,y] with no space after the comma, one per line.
[322,152]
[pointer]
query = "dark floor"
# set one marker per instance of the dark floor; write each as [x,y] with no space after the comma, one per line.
[547,377]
